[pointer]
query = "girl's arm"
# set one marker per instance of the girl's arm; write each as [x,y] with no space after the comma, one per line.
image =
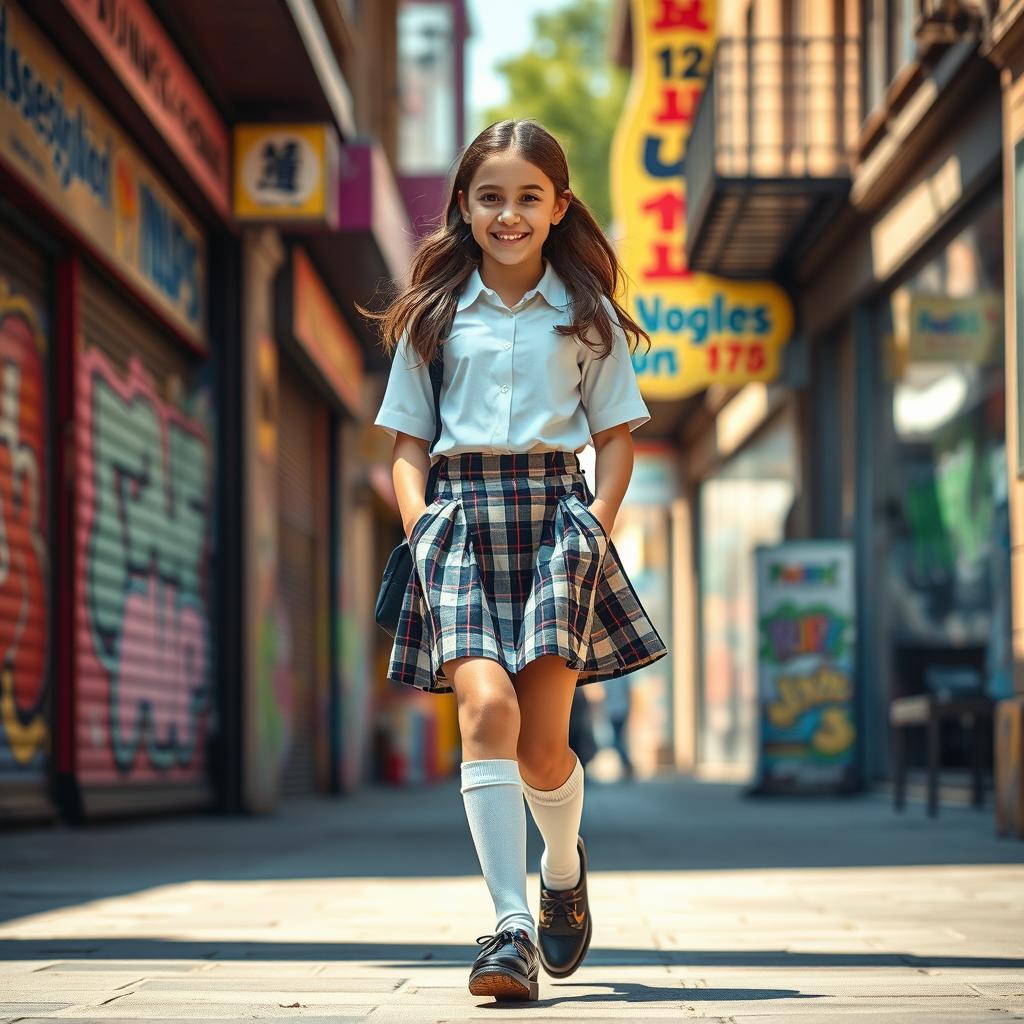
[410,465]
[613,468]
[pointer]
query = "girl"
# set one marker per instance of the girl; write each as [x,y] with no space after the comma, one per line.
[518,595]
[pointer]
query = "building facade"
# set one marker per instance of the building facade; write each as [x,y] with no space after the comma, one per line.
[859,155]
[188,213]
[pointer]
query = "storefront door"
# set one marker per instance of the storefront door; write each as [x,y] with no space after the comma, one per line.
[742,505]
[945,606]
[303,473]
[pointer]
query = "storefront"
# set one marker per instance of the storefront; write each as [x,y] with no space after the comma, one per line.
[905,438]
[1006,50]
[944,588]
[305,526]
[745,501]
[110,700]
[319,397]
[303,376]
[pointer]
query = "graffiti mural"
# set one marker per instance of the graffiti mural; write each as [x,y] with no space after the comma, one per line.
[270,719]
[145,664]
[24,627]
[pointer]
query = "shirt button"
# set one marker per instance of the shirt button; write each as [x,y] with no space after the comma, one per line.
[508,345]
[504,387]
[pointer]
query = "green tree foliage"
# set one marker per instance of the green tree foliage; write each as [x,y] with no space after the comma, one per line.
[568,83]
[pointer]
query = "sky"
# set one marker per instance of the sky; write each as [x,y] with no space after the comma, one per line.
[497,30]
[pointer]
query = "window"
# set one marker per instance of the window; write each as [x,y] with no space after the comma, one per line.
[889,44]
[426,68]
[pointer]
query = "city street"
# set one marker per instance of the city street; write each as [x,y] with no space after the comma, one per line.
[706,905]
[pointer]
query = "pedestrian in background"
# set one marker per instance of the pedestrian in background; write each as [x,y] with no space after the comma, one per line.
[616,708]
[517,595]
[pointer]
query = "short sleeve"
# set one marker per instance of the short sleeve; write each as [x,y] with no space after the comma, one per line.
[609,388]
[408,403]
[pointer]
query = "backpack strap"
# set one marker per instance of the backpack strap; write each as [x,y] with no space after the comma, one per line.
[436,376]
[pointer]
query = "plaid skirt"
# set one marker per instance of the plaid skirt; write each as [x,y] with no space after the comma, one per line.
[509,563]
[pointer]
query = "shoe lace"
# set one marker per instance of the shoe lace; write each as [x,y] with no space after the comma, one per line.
[492,942]
[565,904]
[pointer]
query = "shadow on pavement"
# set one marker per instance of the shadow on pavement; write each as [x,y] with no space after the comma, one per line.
[666,824]
[633,992]
[408,955]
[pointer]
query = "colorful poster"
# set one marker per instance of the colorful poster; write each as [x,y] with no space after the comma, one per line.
[807,640]
[58,140]
[704,330]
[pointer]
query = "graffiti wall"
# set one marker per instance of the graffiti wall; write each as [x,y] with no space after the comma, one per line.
[144,671]
[25,639]
[269,716]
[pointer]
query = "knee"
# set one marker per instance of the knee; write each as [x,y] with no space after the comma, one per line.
[544,766]
[490,717]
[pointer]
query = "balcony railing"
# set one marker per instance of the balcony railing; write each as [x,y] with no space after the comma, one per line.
[767,157]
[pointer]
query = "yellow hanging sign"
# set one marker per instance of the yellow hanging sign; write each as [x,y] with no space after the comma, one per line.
[704,329]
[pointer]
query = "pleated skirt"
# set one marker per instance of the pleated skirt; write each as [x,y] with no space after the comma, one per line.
[509,563]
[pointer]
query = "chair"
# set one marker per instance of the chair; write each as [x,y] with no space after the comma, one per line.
[934,685]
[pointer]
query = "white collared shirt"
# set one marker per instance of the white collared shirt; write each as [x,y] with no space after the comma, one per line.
[510,383]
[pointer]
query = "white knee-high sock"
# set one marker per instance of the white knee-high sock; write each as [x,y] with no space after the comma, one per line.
[492,791]
[558,813]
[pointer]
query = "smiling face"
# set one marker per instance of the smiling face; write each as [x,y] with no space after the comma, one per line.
[510,206]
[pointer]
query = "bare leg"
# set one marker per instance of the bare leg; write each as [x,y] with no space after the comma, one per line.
[488,709]
[552,774]
[492,789]
[544,690]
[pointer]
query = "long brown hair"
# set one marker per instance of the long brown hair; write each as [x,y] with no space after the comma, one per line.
[446,258]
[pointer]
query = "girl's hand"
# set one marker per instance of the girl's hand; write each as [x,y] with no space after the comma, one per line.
[408,524]
[603,513]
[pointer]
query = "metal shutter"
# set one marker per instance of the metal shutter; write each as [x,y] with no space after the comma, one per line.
[145,455]
[25,623]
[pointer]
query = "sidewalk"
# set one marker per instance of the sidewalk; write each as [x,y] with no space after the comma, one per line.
[706,905]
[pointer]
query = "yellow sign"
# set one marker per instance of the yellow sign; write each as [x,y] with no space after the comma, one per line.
[57,139]
[704,329]
[286,172]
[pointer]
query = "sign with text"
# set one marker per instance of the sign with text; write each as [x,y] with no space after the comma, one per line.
[287,172]
[806,644]
[944,329]
[57,139]
[136,46]
[704,330]
[320,328]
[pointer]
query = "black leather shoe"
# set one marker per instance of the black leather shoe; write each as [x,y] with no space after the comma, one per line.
[507,967]
[565,926]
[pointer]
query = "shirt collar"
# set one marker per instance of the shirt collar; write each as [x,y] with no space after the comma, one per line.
[550,287]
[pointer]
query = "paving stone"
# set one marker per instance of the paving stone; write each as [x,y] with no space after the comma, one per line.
[143,968]
[235,969]
[707,907]
[18,1009]
[922,1015]
[196,1010]
[56,980]
[277,984]
[1012,989]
